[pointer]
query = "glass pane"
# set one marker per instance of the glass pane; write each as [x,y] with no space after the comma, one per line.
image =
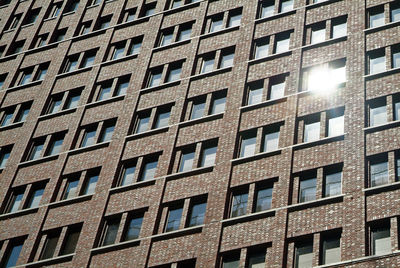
[174,74]
[88,138]
[267,9]
[395,14]
[396,60]
[317,36]
[107,134]
[4,158]
[16,202]
[26,78]
[162,119]
[333,184]
[248,146]
[377,65]
[262,50]
[277,91]
[379,174]
[197,214]
[36,151]
[72,102]
[255,95]
[331,251]
[339,30]
[135,48]
[304,256]
[376,19]
[208,65]
[257,260]
[143,124]
[176,3]
[35,198]
[91,185]
[239,205]
[226,61]
[186,162]
[88,61]
[185,34]
[308,190]
[311,132]
[264,199]
[70,243]
[216,25]
[55,106]
[230,263]
[174,219]
[111,232]
[381,241]
[42,74]
[72,64]
[55,147]
[198,110]
[13,255]
[166,39]
[155,79]
[149,171]
[378,116]
[234,20]
[336,126]
[133,229]
[397,111]
[282,45]
[128,175]
[122,88]
[286,5]
[271,141]
[118,52]
[208,157]
[71,189]
[218,105]
[49,248]
[6,119]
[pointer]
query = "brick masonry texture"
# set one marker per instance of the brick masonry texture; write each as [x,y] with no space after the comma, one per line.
[276,232]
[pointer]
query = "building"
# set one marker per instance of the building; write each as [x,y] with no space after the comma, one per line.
[195,133]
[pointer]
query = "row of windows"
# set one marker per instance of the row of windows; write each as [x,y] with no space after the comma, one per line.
[377,14]
[379,60]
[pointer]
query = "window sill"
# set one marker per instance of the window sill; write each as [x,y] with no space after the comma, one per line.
[382,27]
[315,203]
[124,58]
[146,133]
[257,156]
[318,142]
[72,200]
[325,42]
[181,8]
[89,148]
[172,45]
[52,115]
[270,57]
[384,126]
[314,5]
[250,217]
[10,126]
[263,104]
[132,22]
[54,260]
[177,233]
[105,101]
[39,160]
[225,30]
[191,172]
[49,19]
[81,70]
[69,13]
[4,6]
[276,16]
[9,30]
[116,246]
[93,6]
[19,213]
[30,84]
[27,25]
[381,188]
[211,73]
[381,74]
[134,185]
[201,119]
[161,86]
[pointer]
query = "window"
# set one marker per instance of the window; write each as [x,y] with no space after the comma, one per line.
[308,189]
[255,93]
[71,64]
[50,245]
[72,6]
[261,48]
[208,155]
[286,5]
[2,79]
[248,144]
[277,87]
[339,27]
[143,122]
[333,181]
[72,99]
[197,213]
[207,64]
[166,37]
[71,186]
[149,9]
[162,117]
[25,77]
[71,189]
[36,150]
[32,16]
[90,184]
[216,23]
[88,59]
[227,58]
[231,261]
[311,131]
[128,174]
[198,109]
[55,9]
[377,62]
[377,112]
[59,35]
[149,169]
[12,253]
[303,255]
[379,173]
[84,27]
[15,201]
[380,239]
[13,22]
[110,88]
[107,132]
[282,42]
[88,137]
[331,249]
[396,56]
[271,139]
[59,102]
[4,155]
[234,18]
[187,159]
[155,78]
[174,73]
[70,241]
[130,15]
[104,22]
[110,231]
[239,204]
[134,224]
[174,219]
[256,258]
[185,31]
[35,196]
[394,12]
[14,114]
[55,145]
[264,199]
[376,17]
[218,102]
[96,133]
[318,33]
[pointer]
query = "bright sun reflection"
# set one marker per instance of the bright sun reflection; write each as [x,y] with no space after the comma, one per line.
[323,80]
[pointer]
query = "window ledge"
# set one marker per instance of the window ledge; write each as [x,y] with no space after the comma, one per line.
[381,74]
[249,217]
[93,6]
[313,5]
[146,133]
[4,6]
[319,142]
[175,44]
[263,104]
[191,172]
[132,22]
[18,213]
[271,57]
[381,188]
[89,148]
[134,185]
[278,15]
[124,58]
[80,70]
[27,25]
[201,119]
[176,233]
[30,84]
[39,160]
[213,72]
[57,259]
[161,86]
[181,8]
[225,30]
[257,156]
[116,246]
[9,30]
[50,18]
[105,101]
[382,27]
[52,115]
[13,125]
[72,200]
[315,203]
[325,42]
[68,13]
[382,126]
